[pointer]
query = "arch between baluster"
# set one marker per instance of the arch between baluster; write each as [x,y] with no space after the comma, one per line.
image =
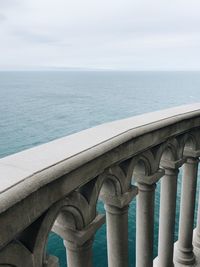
[80,207]
[111,182]
[29,247]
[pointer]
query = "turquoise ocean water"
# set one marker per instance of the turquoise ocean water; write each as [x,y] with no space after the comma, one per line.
[36,107]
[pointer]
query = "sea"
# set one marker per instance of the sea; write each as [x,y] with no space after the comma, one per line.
[40,106]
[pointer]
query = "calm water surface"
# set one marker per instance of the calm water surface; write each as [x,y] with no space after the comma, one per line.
[36,107]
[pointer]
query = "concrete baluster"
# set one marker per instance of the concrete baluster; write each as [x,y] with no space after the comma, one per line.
[78,243]
[145,219]
[117,235]
[117,227]
[168,194]
[197,230]
[184,248]
[79,255]
[145,225]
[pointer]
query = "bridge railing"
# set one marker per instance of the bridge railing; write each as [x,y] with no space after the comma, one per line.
[56,187]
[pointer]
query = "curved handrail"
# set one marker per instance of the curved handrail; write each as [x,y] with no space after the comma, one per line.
[27,171]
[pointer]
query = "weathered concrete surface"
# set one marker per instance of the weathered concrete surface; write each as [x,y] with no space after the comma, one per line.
[196,264]
[184,249]
[196,254]
[23,165]
[167,217]
[64,178]
[197,260]
[45,174]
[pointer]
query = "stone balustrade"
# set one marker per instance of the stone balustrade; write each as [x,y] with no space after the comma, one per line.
[56,186]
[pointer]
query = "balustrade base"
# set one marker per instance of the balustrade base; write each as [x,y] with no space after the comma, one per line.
[197,260]
[176,264]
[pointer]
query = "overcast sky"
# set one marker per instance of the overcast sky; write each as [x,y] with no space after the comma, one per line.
[105,34]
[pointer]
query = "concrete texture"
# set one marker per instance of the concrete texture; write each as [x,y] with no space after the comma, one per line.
[57,186]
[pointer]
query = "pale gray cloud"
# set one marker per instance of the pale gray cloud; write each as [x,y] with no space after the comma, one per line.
[9,3]
[33,37]
[116,34]
[2,17]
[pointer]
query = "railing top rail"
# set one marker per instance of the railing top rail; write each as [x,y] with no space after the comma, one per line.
[72,151]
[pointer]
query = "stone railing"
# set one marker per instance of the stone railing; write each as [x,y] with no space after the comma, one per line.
[56,186]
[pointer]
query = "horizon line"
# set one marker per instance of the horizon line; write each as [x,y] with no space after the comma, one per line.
[96,69]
